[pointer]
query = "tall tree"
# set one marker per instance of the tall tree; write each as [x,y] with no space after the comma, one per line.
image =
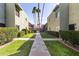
[34,14]
[34,11]
[38,11]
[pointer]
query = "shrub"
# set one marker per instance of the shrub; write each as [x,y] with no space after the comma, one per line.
[34,31]
[21,33]
[25,30]
[30,31]
[54,33]
[7,34]
[65,36]
[2,38]
[71,36]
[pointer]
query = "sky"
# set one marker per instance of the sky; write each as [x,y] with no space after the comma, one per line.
[27,7]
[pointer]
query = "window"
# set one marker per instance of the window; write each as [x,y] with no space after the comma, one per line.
[17,8]
[17,13]
[26,19]
[57,14]
[72,27]
[2,25]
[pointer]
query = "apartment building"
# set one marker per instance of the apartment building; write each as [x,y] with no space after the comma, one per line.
[12,15]
[53,21]
[69,16]
[65,17]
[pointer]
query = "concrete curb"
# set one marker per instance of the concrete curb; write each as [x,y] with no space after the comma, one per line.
[23,39]
[69,46]
[6,44]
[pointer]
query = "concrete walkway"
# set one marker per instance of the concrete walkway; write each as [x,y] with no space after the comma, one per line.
[39,48]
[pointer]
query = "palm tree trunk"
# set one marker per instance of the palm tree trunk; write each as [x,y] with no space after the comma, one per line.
[38,11]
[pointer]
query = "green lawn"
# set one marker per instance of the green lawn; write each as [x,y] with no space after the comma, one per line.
[17,48]
[58,49]
[46,35]
[29,35]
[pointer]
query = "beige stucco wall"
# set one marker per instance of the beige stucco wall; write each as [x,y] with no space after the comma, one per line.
[22,21]
[69,14]
[74,14]
[64,16]
[53,23]
[49,25]
[10,14]
[2,13]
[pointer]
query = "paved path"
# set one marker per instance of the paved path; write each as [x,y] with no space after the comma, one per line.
[39,48]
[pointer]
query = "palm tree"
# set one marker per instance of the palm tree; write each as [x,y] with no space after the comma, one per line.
[38,11]
[34,14]
[34,11]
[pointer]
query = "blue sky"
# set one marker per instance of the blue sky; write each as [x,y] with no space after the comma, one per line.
[27,7]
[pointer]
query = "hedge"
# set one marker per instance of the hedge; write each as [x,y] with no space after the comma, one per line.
[23,32]
[7,34]
[54,33]
[27,31]
[70,36]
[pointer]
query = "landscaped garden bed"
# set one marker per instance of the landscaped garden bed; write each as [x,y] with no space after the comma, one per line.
[7,34]
[29,35]
[17,48]
[47,35]
[56,48]
[54,33]
[71,37]
[26,34]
